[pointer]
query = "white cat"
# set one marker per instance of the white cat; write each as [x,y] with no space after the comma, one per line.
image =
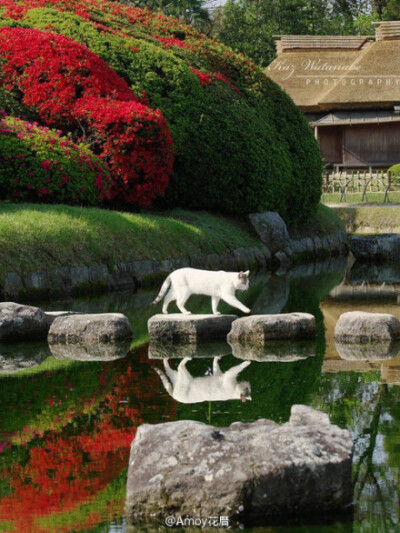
[220,386]
[220,285]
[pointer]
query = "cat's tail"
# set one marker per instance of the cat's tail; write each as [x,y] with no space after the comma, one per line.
[164,287]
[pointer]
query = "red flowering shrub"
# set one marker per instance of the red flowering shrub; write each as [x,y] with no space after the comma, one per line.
[116,125]
[73,88]
[37,163]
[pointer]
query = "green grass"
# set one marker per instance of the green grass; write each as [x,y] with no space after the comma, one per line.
[43,237]
[356,198]
[369,219]
[325,221]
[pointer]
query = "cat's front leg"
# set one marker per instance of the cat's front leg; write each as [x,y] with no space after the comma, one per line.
[234,302]
[214,305]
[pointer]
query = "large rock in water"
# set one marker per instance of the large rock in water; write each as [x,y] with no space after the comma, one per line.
[362,327]
[22,322]
[256,470]
[257,329]
[382,247]
[177,327]
[102,327]
[272,231]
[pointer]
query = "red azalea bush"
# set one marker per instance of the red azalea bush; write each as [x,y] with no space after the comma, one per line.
[116,125]
[211,97]
[37,163]
[74,89]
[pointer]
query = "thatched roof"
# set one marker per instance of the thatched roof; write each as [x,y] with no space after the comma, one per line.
[351,118]
[365,74]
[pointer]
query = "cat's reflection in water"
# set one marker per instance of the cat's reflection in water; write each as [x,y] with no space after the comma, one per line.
[219,386]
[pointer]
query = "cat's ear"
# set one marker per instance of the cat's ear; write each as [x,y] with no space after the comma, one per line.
[240,275]
[247,273]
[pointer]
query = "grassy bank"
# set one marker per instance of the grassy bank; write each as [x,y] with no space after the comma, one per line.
[35,237]
[369,219]
[44,237]
[356,198]
[325,221]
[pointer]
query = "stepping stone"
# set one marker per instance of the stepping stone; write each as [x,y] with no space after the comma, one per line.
[257,329]
[102,327]
[361,327]
[244,471]
[52,315]
[22,323]
[180,328]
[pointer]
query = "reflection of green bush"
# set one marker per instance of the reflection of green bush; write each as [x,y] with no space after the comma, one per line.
[47,396]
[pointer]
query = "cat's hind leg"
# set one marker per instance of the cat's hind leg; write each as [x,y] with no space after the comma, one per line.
[214,305]
[167,385]
[234,302]
[180,302]
[168,298]
[216,369]
[170,372]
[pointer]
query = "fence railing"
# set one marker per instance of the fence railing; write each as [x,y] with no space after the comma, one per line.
[363,182]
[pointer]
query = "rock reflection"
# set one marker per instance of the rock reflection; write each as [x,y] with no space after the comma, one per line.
[21,356]
[275,351]
[218,386]
[166,350]
[90,351]
[367,352]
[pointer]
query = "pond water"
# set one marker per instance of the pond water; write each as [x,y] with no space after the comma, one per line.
[66,424]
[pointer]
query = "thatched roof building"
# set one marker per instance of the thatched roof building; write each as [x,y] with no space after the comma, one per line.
[349,88]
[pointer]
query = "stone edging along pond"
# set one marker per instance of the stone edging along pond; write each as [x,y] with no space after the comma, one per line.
[276,250]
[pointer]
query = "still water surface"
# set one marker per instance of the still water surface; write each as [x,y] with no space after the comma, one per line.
[66,424]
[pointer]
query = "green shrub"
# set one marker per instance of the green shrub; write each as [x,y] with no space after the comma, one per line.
[395,170]
[38,164]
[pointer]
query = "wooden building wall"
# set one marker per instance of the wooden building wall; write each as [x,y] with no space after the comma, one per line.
[361,145]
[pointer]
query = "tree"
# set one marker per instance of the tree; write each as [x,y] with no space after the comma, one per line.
[188,11]
[249,26]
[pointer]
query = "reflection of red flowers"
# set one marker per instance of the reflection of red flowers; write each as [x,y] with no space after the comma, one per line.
[66,471]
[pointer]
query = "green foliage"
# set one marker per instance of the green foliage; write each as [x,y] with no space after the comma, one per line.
[303,163]
[36,163]
[395,170]
[12,106]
